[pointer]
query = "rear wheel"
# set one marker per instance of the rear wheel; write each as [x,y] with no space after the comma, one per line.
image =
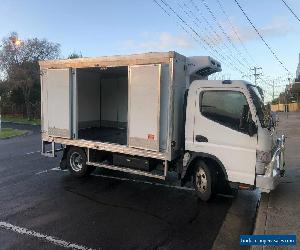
[76,162]
[204,181]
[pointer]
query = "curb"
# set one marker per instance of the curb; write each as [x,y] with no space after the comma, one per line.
[27,132]
[21,123]
[239,220]
[261,218]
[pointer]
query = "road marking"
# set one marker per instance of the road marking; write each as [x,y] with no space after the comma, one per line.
[51,169]
[33,152]
[43,172]
[53,240]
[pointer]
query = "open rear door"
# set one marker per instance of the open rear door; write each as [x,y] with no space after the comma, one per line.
[58,86]
[144,106]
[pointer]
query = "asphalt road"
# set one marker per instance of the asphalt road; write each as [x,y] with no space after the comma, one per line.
[42,207]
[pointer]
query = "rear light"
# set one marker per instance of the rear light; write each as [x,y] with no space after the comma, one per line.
[244,186]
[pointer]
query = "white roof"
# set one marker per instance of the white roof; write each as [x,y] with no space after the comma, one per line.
[219,84]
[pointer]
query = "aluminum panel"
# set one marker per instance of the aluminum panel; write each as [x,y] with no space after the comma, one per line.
[144,106]
[180,79]
[44,102]
[164,107]
[58,84]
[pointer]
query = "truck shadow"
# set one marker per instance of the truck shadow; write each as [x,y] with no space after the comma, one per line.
[170,217]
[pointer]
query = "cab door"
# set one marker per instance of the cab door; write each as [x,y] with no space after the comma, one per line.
[217,132]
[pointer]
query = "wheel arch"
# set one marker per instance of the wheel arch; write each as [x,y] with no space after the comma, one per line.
[210,160]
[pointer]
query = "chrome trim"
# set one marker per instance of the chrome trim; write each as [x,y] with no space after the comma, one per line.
[274,170]
[76,161]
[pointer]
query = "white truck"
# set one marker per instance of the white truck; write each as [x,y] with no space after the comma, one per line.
[148,114]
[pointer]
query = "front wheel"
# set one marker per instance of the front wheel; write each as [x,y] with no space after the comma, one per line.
[76,162]
[204,181]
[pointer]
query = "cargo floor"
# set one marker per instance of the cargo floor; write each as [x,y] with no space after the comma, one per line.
[113,135]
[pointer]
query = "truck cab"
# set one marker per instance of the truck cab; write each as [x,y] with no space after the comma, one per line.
[228,133]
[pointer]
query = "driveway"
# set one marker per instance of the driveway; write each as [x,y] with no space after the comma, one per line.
[43,207]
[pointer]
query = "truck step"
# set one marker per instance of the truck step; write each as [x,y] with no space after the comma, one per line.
[127,170]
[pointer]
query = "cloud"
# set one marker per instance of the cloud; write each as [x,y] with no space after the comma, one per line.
[164,41]
[159,42]
[277,28]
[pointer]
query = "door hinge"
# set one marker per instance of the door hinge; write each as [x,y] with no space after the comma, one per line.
[43,72]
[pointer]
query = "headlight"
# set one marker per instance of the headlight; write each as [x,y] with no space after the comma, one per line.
[263,156]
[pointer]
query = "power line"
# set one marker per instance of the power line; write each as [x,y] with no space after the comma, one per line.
[212,34]
[261,37]
[268,84]
[234,30]
[217,38]
[211,38]
[193,31]
[294,14]
[223,31]
[271,87]
[181,26]
[170,16]
[186,24]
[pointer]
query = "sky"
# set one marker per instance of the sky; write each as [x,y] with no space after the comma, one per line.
[97,28]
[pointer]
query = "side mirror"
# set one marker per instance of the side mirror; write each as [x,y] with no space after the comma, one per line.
[252,128]
[247,125]
[244,118]
[274,120]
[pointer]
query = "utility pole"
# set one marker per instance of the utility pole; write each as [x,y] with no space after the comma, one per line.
[286,97]
[273,90]
[1,45]
[256,75]
[0,115]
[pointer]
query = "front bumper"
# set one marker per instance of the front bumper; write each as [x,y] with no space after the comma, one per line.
[274,170]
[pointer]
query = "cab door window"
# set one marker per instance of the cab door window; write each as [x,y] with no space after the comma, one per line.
[223,107]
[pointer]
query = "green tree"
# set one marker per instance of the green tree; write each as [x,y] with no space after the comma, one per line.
[19,65]
[275,101]
[75,55]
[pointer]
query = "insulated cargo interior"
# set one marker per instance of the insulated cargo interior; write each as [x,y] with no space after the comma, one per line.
[103,104]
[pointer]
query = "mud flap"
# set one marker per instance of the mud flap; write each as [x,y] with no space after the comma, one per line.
[63,161]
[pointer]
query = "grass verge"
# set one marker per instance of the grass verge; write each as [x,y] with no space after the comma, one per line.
[10,132]
[20,119]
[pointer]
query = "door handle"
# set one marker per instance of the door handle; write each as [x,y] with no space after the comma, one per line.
[200,138]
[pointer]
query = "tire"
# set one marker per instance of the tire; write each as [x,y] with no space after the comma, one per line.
[204,181]
[76,163]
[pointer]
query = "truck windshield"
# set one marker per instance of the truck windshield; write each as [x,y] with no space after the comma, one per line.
[259,105]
